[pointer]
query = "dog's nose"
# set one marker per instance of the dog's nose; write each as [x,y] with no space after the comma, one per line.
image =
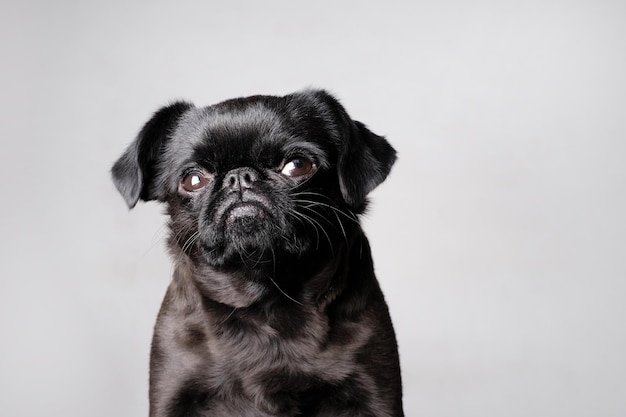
[240,179]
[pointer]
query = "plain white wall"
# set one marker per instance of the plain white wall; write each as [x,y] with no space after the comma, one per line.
[499,238]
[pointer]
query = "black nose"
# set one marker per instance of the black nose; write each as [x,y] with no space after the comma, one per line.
[240,179]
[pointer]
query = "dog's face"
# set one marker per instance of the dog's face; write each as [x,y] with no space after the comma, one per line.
[254,182]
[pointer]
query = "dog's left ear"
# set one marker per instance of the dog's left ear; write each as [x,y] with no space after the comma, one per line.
[363,164]
[365,158]
[135,172]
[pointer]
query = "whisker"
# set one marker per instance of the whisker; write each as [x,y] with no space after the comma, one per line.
[259,259]
[316,226]
[300,216]
[229,316]
[343,231]
[274,261]
[190,241]
[325,197]
[156,238]
[331,223]
[284,293]
[310,203]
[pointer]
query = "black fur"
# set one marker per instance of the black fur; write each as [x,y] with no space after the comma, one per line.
[274,308]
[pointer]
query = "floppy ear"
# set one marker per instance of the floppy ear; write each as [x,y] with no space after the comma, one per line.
[364,162]
[134,173]
[364,159]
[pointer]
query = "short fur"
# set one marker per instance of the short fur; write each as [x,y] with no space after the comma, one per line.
[274,308]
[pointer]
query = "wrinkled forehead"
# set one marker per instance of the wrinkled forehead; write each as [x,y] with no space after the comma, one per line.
[228,137]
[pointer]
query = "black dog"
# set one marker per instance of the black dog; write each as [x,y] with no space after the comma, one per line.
[273,309]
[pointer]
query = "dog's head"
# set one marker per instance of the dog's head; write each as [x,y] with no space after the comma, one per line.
[254,180]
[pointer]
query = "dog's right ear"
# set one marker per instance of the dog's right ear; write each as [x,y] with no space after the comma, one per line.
[134,173]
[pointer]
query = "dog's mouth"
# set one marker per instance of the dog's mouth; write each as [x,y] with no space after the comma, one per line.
[241,230]
[237,206]
[245,213]
[243,227]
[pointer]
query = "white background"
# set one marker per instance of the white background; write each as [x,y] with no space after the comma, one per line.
[499,238]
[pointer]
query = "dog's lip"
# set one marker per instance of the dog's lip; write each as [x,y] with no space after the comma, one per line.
[255,204]
[245,209]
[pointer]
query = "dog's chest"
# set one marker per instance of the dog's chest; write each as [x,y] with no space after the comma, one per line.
[273,371]
[251,364]
[262,349]
[276,361]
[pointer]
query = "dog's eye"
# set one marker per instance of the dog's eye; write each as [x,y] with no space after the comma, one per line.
[297,167]
[194,181]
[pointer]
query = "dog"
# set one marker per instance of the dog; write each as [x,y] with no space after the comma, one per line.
[274,308]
